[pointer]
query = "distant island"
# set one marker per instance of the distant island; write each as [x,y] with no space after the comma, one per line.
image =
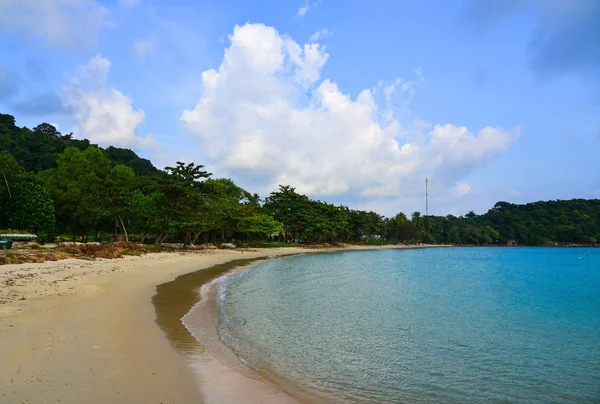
[63,188]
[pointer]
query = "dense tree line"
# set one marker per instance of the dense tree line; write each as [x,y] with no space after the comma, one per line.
[53,184]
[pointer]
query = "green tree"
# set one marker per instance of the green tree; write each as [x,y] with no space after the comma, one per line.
[144,213]
[181,189]
[117,195]
[31,208]
[291,209]
[78,188]
[260,225]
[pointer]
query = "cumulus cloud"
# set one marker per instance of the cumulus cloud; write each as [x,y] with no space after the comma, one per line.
[141,49]
[60,22]
[102,114]
[267,117]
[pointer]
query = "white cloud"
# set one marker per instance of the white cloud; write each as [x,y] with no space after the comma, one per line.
[302,10]
[308,5]
[60,22]
[266,118]
[142,48]
[515,194]
[324,33]
[461,189]
[102,114]
[56,126]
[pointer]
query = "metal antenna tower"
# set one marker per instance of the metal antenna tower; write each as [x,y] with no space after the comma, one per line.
[427,235]
[426,197]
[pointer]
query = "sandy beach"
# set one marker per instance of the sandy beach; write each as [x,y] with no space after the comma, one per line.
[77,331]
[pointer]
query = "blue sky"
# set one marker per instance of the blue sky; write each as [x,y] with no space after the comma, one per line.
[350,101]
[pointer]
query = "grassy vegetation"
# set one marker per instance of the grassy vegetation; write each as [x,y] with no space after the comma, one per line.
[107,250]
[12,255]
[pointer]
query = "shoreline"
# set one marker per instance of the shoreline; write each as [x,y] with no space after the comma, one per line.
[202,322]
[214,364]
[85,331]
[211,359]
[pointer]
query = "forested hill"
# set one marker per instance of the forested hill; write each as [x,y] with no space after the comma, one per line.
[540,223]
[37,150]
[576,220]
[65,188]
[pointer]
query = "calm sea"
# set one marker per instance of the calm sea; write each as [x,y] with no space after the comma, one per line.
[451,325]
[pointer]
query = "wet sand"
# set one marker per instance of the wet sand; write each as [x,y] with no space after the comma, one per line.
[222,378]
[215,364]
[86,332]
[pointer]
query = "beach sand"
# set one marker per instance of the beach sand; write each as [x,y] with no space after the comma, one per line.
[77,331]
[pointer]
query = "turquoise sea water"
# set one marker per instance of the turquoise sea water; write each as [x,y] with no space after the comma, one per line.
[451,325]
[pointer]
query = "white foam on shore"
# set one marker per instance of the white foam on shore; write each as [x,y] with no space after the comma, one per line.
[204,295]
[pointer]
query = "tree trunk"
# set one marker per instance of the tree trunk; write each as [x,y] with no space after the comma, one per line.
[123,227]
[196,235]
[161,237]
[7,187]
